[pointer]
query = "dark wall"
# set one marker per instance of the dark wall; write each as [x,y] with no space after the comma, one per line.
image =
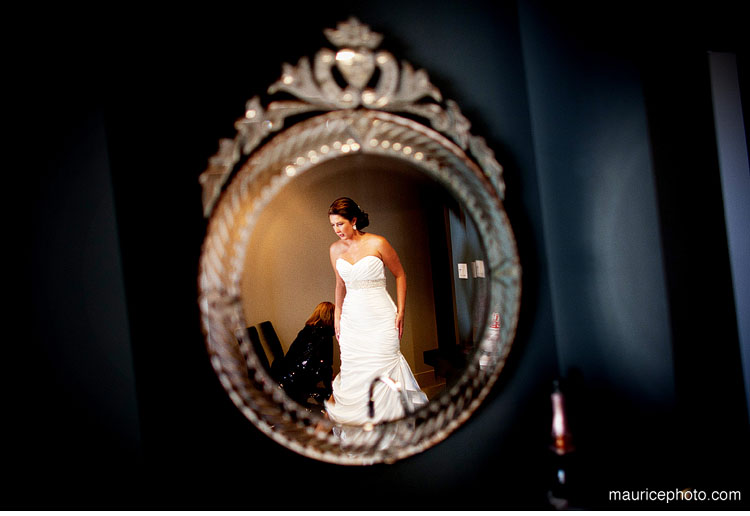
[632,211]
[71,389]
[575,105]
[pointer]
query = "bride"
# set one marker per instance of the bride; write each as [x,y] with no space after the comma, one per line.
[367,323]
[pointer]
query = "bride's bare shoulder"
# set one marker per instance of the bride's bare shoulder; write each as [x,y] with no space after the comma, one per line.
[378,243]
[375,239]
[336,248]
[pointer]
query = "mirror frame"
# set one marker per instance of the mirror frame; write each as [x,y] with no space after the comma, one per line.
[382,119]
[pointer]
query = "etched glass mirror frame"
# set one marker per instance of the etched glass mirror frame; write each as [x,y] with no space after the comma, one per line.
[369,105]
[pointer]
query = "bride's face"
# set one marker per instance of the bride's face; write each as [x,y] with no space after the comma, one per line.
[342,227]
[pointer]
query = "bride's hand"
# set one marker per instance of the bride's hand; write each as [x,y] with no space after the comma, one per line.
[400,324]
[337,327]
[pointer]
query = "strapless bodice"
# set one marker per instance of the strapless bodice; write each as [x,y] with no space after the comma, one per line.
[367,272]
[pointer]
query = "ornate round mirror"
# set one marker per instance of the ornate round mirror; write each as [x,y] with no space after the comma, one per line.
[358,124]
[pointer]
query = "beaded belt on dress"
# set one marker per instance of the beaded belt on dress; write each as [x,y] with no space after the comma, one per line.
[361,284]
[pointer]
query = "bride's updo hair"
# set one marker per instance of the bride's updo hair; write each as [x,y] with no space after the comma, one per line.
[347,208]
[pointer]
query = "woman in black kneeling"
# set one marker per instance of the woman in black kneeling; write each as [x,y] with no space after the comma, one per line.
[306,371]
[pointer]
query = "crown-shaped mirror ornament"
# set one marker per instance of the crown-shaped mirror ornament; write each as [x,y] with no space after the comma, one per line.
[397,89]
[353,33]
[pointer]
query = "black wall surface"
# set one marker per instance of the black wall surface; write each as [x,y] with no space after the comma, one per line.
[601,118]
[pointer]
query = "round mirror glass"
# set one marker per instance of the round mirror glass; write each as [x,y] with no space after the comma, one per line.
[438,245]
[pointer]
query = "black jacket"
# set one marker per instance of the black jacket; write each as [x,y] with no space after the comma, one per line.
[307,368]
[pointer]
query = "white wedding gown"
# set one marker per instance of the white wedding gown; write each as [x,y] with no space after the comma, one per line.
[370,348]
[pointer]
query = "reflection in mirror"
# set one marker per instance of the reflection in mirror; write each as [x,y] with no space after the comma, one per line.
[287,262]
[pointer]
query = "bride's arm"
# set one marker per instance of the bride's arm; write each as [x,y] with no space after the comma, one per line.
[339,294]
[391,260]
